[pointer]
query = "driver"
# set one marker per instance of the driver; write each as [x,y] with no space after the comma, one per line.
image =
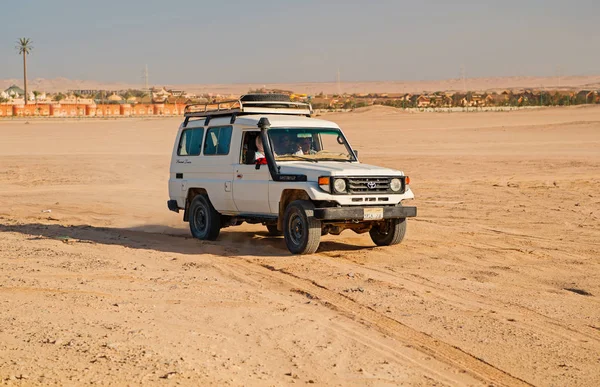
[285,146]
[306,146]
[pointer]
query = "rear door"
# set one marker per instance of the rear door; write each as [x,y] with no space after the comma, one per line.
[186,154]
[215,167]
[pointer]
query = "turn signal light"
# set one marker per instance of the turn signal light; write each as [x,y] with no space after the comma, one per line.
[407,180]
[324,183]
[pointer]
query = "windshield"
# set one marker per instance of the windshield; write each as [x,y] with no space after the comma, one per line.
[312,144]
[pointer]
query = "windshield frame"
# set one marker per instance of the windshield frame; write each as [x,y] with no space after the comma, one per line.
[318,128]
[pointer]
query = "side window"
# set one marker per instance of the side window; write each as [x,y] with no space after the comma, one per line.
[248,149]
[218,140]
[190,142]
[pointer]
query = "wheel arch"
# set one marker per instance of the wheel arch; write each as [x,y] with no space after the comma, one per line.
[191,194]
[288,196]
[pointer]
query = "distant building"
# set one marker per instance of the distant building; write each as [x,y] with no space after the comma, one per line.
[14,91]
[423,101]
[159,95]
[115,98]
[176,92]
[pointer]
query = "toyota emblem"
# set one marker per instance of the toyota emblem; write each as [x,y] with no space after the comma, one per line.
[371,185]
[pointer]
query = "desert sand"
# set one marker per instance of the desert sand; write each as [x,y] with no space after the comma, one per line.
[496,283]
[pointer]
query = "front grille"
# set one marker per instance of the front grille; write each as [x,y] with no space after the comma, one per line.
[371,185]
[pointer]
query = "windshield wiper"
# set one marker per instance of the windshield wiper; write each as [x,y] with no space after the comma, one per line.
[333,159]
[300,157]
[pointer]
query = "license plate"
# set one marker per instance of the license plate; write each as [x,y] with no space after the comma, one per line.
[373,213]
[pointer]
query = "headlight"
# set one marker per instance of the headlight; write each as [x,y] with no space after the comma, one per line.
[395,185]
[339,185]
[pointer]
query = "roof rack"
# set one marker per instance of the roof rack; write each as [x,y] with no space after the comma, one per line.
[240,107]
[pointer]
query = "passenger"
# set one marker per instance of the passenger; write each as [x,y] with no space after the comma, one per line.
[260,150]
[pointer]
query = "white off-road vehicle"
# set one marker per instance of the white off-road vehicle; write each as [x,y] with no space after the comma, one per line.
[263,159]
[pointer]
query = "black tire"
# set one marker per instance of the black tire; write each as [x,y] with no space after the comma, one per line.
[265,97]
[205,221]
[301,231]
[388,233]
[273,231]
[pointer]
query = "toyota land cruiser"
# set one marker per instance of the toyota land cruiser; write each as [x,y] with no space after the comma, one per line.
[263,159]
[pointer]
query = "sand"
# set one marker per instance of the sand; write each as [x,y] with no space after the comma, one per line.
[566,82]
[497,282]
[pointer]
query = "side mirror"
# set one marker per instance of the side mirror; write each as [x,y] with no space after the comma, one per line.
[355,153]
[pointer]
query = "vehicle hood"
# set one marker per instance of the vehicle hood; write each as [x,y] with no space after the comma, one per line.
[334,168]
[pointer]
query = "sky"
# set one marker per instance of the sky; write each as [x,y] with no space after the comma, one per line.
[262,41]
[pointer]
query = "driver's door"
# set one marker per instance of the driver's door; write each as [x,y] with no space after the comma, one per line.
[250,185]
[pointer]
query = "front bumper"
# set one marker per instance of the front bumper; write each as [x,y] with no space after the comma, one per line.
[358,213]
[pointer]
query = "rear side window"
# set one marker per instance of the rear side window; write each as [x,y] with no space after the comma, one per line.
[218,140]
[190,142]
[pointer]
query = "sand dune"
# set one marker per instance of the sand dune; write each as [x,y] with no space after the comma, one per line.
[475,84]
[497,281]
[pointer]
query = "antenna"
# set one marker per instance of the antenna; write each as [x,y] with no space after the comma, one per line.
[463,76]
[559,73]
[145,77]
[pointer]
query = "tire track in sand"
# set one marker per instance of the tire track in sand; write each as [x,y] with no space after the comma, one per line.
[422,342]
[530,319]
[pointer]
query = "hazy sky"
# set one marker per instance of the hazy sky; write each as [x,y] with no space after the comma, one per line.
[261,41]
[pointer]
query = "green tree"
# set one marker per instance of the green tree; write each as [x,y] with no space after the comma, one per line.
[36,94]
[59,97]
[77,95]
[127,95]
[349,104]
[24,48]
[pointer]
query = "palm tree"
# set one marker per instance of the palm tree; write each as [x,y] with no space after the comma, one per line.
[36,94]
[77,95]
[127,95]
[24,48]
[140,96]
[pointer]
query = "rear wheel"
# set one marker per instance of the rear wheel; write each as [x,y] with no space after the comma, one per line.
[389,232]
[302,232]
[205,221]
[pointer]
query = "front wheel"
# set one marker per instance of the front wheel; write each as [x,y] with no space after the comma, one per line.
[205,221]
[301,231]
[389,232]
